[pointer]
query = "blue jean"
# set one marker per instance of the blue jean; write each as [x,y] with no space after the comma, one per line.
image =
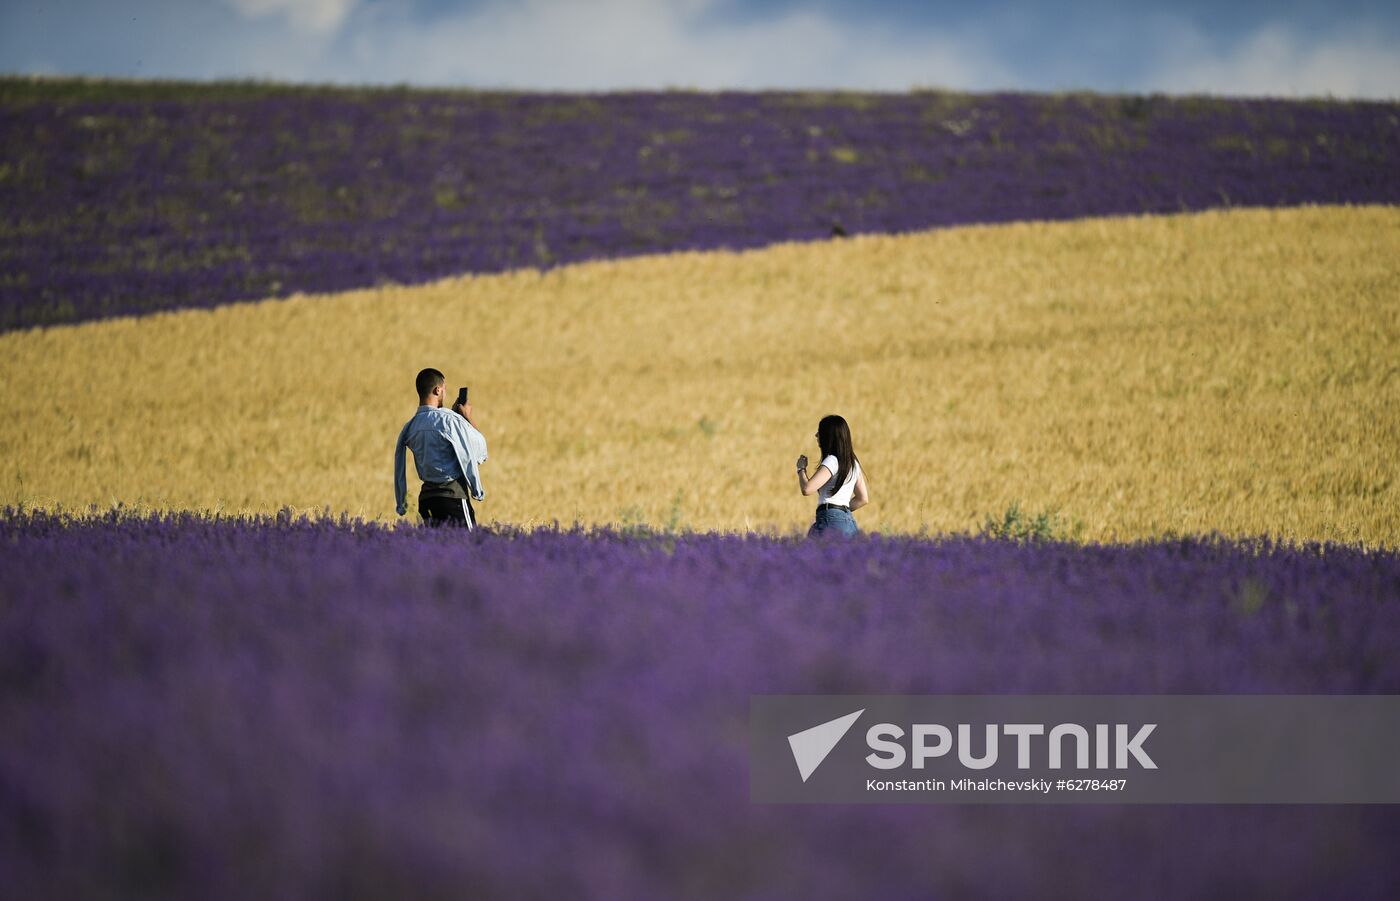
[833,522]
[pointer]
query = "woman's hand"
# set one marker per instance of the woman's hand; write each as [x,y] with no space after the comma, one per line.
[802,463]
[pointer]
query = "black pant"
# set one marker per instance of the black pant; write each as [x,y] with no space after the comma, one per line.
[445,511]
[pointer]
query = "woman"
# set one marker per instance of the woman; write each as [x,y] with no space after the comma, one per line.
[838,483]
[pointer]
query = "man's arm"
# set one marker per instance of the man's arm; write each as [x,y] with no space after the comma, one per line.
[465,410]
[470,447]
[400,480]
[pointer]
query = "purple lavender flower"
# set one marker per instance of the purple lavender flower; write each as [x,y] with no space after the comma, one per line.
[281,708]
[118,199]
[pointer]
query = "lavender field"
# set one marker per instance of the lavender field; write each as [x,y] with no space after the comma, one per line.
[194,705]
[128,198]
[279,708]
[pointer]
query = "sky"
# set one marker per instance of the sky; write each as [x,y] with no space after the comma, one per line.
[1340,48]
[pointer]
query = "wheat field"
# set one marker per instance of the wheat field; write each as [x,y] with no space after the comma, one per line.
[1232,371]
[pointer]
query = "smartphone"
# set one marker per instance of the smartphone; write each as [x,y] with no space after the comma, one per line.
[461,397]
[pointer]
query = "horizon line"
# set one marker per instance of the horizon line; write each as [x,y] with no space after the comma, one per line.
[253,81]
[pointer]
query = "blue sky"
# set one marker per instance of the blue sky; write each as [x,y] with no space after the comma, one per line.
[1345,48]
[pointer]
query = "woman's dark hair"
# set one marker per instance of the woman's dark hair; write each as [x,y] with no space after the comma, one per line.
[834,438]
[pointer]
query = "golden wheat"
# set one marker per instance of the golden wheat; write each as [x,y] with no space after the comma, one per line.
[1234,371]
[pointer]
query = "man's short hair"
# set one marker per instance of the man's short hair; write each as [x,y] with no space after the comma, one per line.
[427,380]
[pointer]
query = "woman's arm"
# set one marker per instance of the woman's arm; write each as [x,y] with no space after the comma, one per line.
[862,494]
[811,486]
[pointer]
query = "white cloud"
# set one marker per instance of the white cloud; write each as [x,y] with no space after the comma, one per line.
[619,44]
[649,43]
[1276,61]
[314,16]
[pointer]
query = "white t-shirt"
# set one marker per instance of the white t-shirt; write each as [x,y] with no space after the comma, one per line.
[829,493]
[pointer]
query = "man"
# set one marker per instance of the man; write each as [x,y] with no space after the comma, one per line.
[447,451]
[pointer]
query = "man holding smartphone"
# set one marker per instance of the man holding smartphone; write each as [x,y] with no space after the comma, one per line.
[448,451]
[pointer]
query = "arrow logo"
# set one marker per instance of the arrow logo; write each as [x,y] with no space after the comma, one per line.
[810,746]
